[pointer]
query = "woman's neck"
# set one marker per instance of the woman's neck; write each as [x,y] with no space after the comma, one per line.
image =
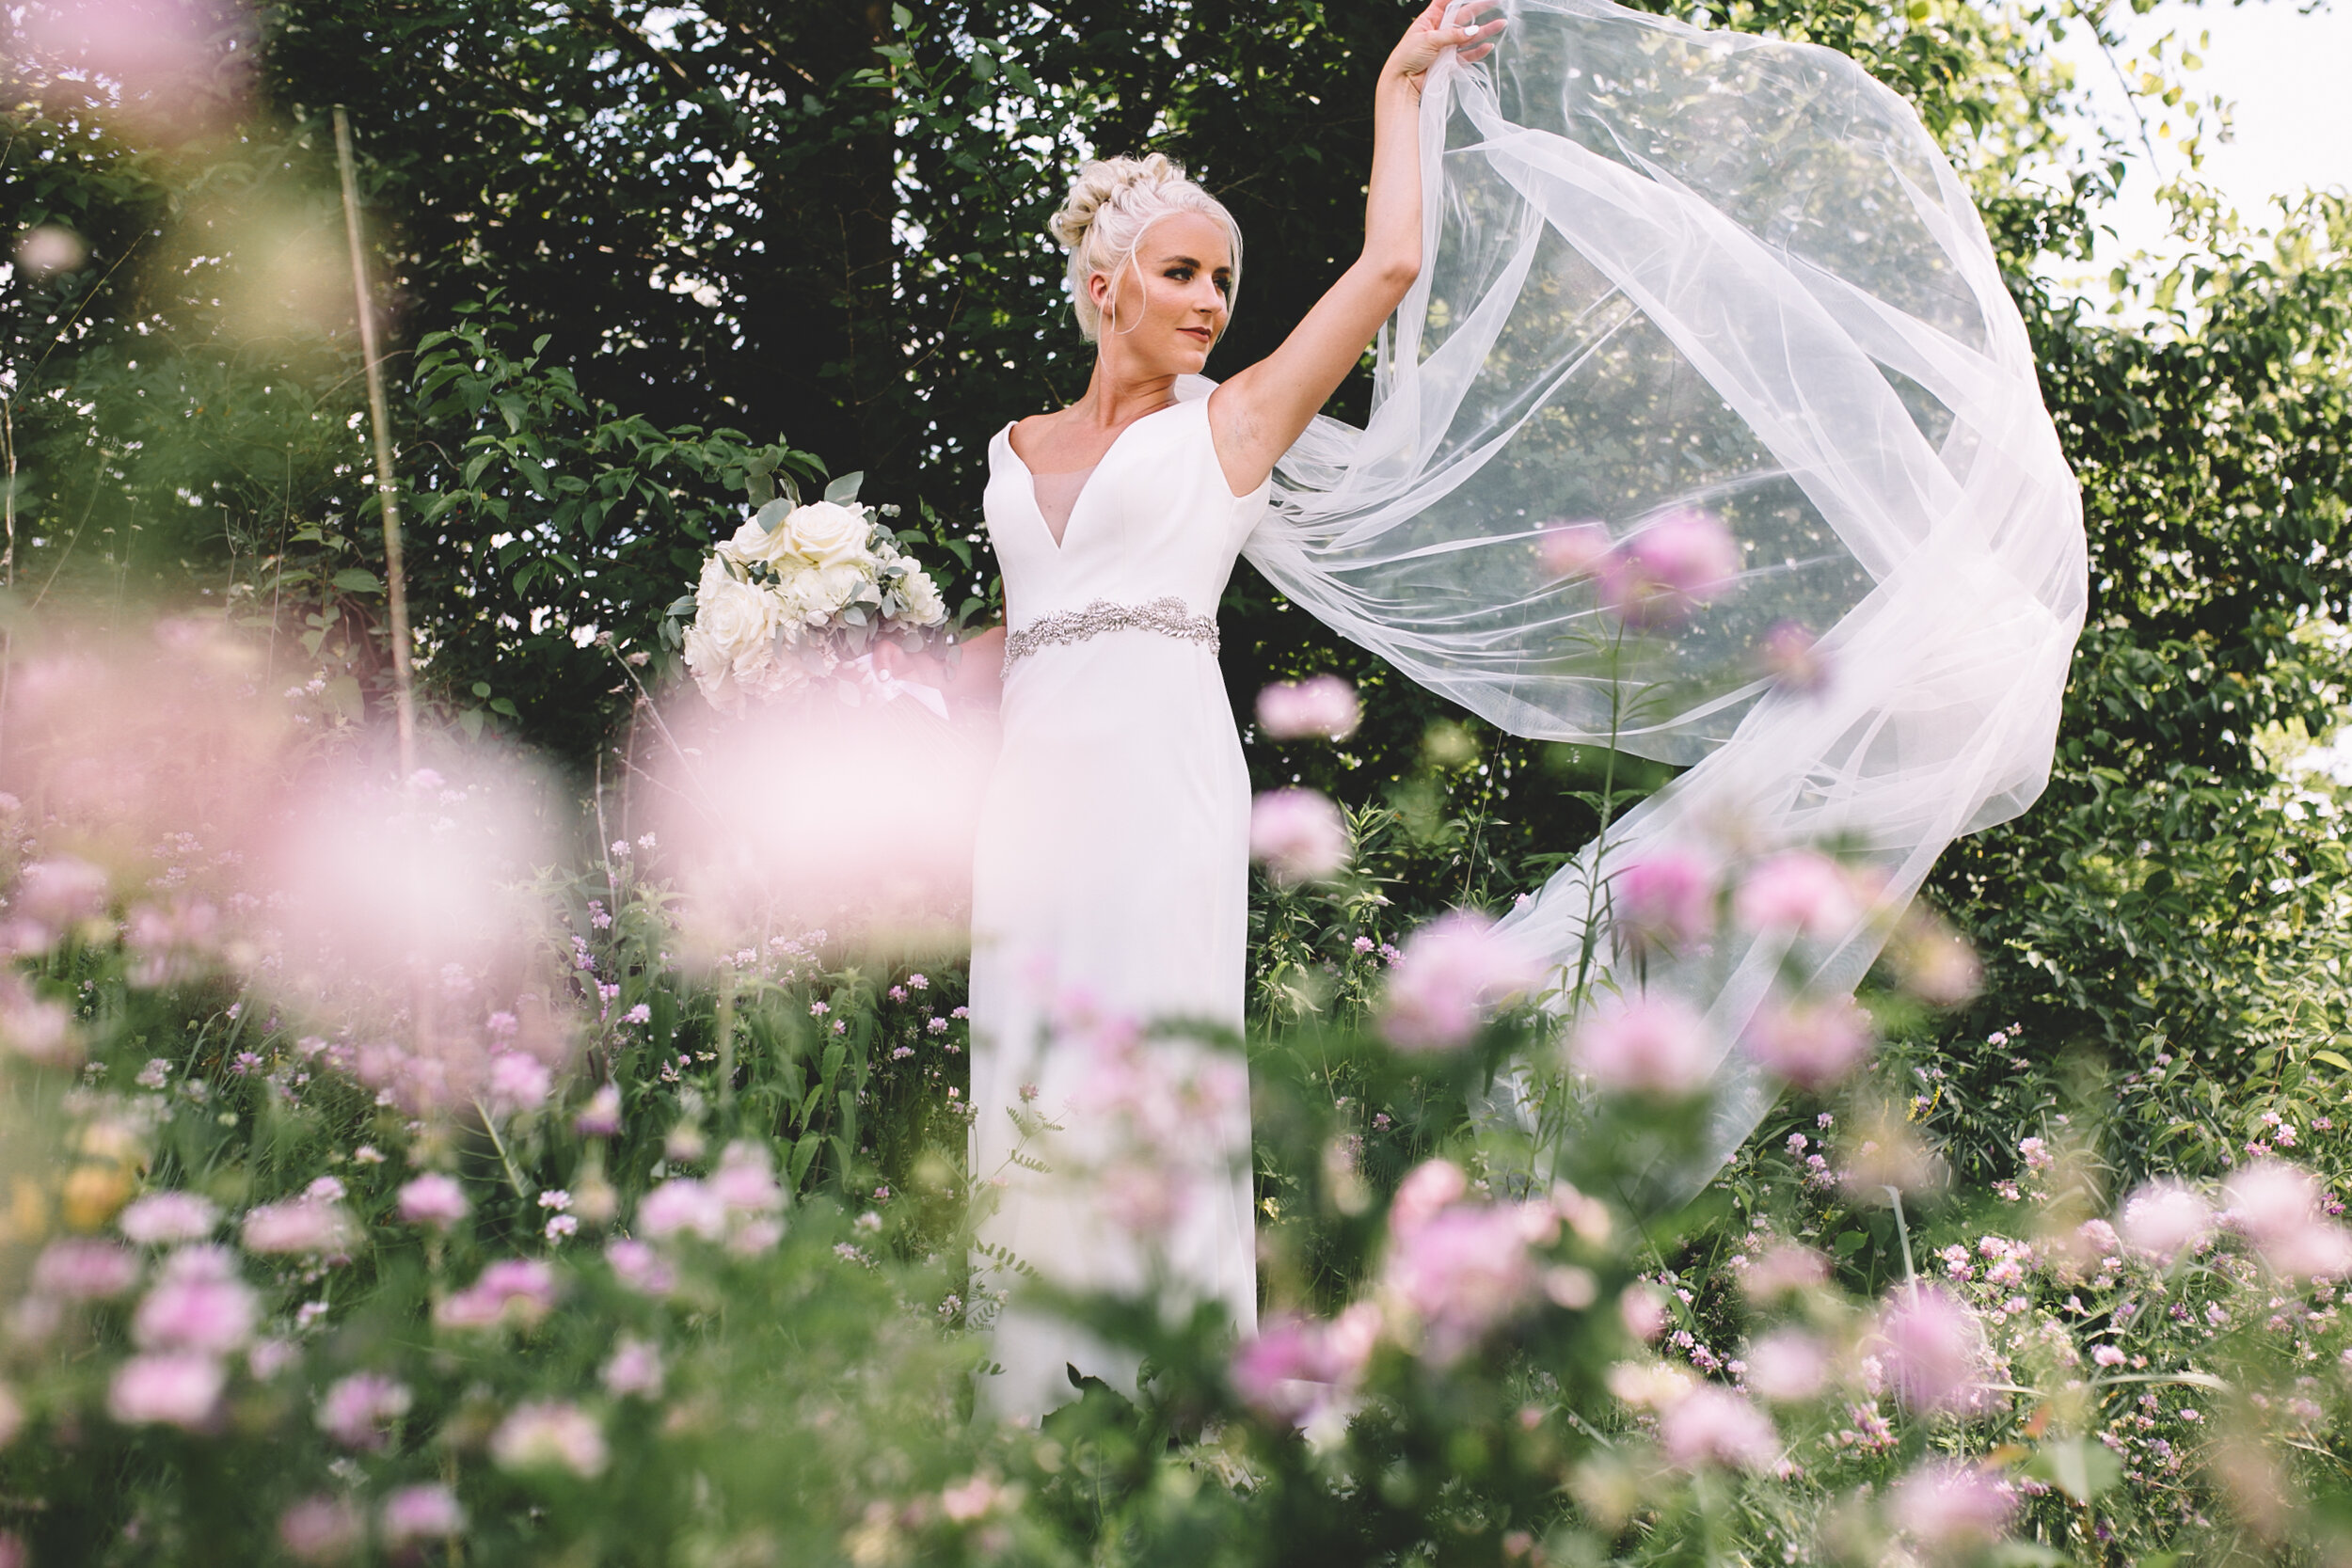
[1114,400]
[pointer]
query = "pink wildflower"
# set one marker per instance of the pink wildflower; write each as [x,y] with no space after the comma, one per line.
[551,1434]
[421,1514]
[199,1303]
[2277,1207]
[1677,562]
[1787,1366]
[171,1389]
[1801,891]
[433,1200]
[1652,1045]
[2163,1219]
[683,1205]
[1950,1509]
[1811,1045]
[1298,834]
[1452,969]
[1666,898]
[83,1271]
[1792,656]
[1575,549]
[306,1225]
[521,1291]
[602,1116]
[1712,1425]
[635,1368]
[321,1528]
[639,1268]
[1321,707]
[358,1411]
[519,1082]
[160,1218]
[1460,1274]
[1935,1349]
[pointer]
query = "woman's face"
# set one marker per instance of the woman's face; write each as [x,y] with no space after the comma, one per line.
[1161,315]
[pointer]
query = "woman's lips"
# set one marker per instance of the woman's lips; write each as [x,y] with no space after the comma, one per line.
[1200,332]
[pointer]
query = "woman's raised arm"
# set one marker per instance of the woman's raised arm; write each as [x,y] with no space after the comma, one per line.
[1262,410]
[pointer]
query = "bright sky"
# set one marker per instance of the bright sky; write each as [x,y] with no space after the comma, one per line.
[2287,75]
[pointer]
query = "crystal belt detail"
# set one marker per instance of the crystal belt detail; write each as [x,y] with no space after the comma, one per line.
[1168,616]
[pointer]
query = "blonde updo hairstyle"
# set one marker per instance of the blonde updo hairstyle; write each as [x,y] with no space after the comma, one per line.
[1111,203]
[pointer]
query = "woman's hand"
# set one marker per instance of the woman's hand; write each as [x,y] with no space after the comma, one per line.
[1429,36]
[1257,414]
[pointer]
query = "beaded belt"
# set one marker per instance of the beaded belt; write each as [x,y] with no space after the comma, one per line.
[1168,616]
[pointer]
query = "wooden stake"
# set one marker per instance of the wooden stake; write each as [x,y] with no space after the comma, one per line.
[403,695]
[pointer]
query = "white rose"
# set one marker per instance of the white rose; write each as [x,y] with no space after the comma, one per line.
[737,620]
[754,544]
[824,533]
[921,595]
[712,668]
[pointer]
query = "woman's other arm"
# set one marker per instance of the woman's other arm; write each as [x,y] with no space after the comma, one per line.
[1262,410]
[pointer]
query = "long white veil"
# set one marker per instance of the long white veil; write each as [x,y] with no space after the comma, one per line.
[1669,268]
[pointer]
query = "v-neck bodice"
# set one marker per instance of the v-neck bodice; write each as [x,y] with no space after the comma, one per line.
[1152,519]
[1056,493]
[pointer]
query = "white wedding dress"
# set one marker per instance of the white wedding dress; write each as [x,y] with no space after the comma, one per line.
[1110,886]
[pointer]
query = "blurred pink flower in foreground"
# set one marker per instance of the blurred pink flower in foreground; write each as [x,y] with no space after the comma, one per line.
[1321,707]
[1811,1045]
[1712,1425]
[807,814]
[1296,1367]
[172,1388]
[1950,1509]
[551,1434]
[634,1369]
[521,1290]
[314,1224]
[1451,970]
[167,61]
[199,1303]
[1679,562]
[1787,1366]
[160,1218]
[1666,898]
[2163,1219]
[358,1411]
[433,1199]
[1298,834]
[321,1528]
[639,1267]
[421,1514]
[1783,1268]
[1801,891]
[1792,655]
[1933,1351]
[2277,1206]
[1653,1045]
[83,1271]
[1454,1270]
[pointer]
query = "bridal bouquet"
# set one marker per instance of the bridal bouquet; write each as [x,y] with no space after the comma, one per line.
[802,594]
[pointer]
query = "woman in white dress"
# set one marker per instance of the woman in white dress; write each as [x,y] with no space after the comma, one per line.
[1111,876]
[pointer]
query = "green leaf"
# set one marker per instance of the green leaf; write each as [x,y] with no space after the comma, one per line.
[805,1155]
[843,491]
[2333,1060]
[357,579]
[2081,1469]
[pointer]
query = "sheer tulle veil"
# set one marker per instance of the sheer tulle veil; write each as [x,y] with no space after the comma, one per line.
[1670,269]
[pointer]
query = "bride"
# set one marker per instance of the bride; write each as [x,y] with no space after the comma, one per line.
[1636,274]
[1110,876]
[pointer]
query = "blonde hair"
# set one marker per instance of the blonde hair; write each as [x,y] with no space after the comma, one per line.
[1111,203]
